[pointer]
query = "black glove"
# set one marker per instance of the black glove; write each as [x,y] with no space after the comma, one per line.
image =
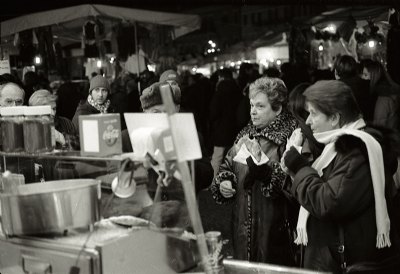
[294,161]
[256,172]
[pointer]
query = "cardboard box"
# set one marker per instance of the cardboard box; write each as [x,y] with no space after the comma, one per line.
[100,134]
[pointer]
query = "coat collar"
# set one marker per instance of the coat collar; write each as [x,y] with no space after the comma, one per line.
[278,131]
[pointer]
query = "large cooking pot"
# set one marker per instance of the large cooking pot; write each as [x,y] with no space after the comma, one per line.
[50,207]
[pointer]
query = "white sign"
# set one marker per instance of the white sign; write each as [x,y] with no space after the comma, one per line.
[5,66]
[186,138]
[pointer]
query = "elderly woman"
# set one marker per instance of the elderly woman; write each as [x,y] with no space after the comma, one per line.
[97,101]
[344,216]
[251,177]
[66,134]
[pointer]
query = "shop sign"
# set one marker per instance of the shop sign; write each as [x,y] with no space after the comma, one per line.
[5,66]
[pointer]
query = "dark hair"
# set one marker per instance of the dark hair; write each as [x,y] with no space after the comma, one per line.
[272,72]
[7,78]
[296,104]
[377,74]
[334,96]
[346,66]
[225,73]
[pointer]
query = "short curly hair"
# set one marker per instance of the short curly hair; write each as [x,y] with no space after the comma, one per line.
[274,88]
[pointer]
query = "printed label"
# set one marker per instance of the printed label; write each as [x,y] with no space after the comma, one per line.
[110,135]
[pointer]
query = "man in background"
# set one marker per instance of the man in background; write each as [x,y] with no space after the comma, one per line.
[11,94]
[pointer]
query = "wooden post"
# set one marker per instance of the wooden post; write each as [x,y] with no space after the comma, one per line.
[187,184]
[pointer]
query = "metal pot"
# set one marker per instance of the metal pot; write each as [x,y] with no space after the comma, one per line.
[50,207]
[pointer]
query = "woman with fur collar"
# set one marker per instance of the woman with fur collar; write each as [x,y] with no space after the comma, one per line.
[345,194]
[251,177]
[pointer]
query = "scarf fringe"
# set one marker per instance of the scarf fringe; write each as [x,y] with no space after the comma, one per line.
[302,238]
[383,240]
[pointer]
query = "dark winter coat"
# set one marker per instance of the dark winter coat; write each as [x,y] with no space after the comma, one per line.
[362,95]
[387,106]
[223,108]
[84,108]
[259,232]
[343,196]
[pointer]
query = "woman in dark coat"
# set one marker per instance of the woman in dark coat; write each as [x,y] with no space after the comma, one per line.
[345,216]
[97,101]
[251,177]
[386,94]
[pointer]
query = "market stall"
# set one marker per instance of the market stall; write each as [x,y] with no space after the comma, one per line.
[90,26]
[357,31]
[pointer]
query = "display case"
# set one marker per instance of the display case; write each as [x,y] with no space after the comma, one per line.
[134,233]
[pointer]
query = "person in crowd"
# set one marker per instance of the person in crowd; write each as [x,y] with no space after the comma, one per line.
[11,94]
[97,100]
[68,98]
[171,209]
[386,93]
[151,102]
[196,98]
[124,95]
[251,178]
[223,109]
[8,77]
[303,135]
[65,132]
[34,81]
[247,75]
[347,72]
[272,72]
[345,214]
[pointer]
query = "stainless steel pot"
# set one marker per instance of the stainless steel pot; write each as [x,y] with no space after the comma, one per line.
[50,207]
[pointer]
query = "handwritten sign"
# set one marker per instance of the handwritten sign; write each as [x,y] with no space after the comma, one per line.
[5,66]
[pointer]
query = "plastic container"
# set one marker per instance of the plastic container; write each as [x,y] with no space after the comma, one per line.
[215,260]
[12,135]
[39,132]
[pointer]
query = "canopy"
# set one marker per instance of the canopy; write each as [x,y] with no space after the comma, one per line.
[360,13]
[73,17]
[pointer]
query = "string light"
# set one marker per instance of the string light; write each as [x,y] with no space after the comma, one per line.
[38,60]
[371,43]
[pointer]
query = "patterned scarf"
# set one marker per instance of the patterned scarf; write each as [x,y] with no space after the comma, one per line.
[102,108]
[277,131]
[377,174]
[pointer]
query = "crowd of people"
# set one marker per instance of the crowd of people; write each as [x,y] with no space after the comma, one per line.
[307,161]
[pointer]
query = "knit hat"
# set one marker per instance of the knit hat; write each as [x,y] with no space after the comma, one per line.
[151,96]
[41,97]
[169,75]
[99,82]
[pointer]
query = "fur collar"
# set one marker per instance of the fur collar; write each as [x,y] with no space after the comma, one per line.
[278,131]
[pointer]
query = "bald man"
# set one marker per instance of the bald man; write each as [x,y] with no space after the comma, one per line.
[11,94]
